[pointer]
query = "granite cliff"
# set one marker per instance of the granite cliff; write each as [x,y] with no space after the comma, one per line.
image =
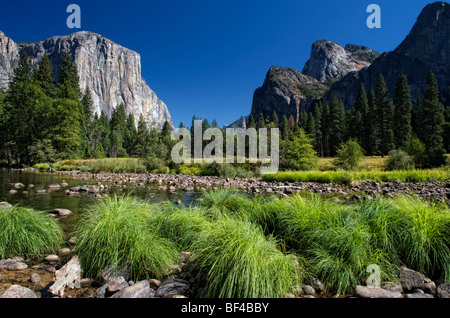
[111,71]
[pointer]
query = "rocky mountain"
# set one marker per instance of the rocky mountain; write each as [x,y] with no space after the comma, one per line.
[112,72]
[334,71]
[329,61]
[287,91]
[427,47]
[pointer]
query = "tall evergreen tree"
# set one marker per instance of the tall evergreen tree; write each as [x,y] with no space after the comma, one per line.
[384,111]
[251,122]
[130,136]
[69,82]
[338,124]
[402,112]
[284,129]
[275,120]
[44,75]
[261,122]
[317,142]
[433,121]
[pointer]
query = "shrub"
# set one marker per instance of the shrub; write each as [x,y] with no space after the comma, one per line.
[399,160]
[25,232]
[349,155]
[298,153]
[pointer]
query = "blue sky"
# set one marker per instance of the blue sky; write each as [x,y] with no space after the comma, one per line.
[206,57]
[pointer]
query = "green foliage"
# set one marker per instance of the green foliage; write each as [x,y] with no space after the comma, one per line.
[348,176]
[119,234]
[349,155]
[384,115]
[402,113]
[297,152]
[399,160]
[25,232]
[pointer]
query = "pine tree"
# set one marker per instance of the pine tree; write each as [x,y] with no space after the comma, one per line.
[402,112]
[142,140]
[317,142]
[358,118]
[337,124]
[261,122]
[371,136]
[44,75]
[69,82]
[251,122]
[129,141]
[384,111]
[275,120]
[432,122]
[166,129]
[118,126]
[284,128]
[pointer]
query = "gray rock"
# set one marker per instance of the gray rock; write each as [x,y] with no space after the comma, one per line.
[172,287]
[374,292]
[18,185]
[12,265]
[62,212]
[418,295]
[116,285]
[429,288]
[411,279]
[393,287]
[330,61]
[443,290]
[16,291]
[308,290]
[35,278]
[316,284]
[112,72]
[138,290]
[5,205]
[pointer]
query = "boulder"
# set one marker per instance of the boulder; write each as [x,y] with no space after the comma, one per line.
[171,287]
[375,292]
[12,265]
[16,291]
[139,290]
[411,279]
[62,212]
[443,290]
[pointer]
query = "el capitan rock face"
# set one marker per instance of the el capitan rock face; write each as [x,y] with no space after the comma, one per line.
[112,72]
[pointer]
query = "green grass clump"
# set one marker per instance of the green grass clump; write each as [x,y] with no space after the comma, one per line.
[241,262]
[120,234]
[342,177]
[25,232]
[236,257]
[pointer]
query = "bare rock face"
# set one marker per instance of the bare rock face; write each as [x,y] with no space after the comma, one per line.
[427,47]
[330,61]
[286,91]
[112,72]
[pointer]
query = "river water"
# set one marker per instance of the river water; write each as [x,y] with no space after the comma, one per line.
[78,204]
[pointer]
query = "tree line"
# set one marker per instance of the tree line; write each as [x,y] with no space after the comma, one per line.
[43,120]
[377,122]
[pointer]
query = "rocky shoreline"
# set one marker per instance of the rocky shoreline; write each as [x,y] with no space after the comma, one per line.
[54,278]
[439,191]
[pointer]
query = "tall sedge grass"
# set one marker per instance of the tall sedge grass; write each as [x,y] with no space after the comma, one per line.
[119,234]
[241,262]
[26,232]
[239,243]
[238,260]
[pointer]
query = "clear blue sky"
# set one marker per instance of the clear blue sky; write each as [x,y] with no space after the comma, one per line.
[206,57]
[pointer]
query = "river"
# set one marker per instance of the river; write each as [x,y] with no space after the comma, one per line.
[78,204]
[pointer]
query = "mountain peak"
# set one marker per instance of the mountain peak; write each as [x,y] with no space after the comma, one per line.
[330,61]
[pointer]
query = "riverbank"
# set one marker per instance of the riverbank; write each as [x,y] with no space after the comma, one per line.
[437,190]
